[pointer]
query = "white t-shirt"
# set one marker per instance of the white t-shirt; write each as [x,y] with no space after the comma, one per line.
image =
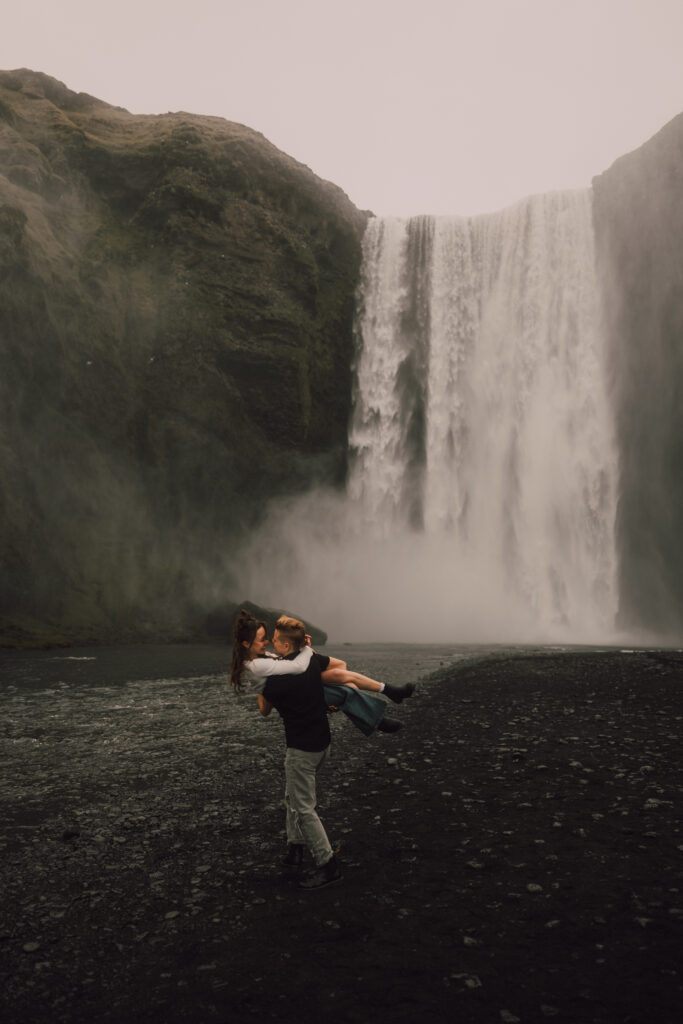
[260,668]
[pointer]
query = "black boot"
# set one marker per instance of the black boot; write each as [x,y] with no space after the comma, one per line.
[322,876]
[389,725]
[294,856]
[398,693]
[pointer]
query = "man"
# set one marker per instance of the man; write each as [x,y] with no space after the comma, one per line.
[301,704]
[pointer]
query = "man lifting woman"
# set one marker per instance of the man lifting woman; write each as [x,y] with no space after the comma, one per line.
[303,686]
[343,689]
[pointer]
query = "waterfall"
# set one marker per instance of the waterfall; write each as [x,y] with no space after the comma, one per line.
[481,500]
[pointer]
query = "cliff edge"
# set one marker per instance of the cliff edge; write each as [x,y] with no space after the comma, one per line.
[638,210]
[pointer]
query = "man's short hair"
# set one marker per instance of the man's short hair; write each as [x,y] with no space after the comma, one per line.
[291,629]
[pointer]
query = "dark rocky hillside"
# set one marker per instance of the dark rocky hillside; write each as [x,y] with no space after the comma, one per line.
[176,305]
[639,227]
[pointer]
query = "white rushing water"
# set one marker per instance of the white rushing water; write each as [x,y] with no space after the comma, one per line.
[481,501]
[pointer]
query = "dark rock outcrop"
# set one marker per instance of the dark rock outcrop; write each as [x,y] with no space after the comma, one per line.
[176,306]
[639,226]
[219,622]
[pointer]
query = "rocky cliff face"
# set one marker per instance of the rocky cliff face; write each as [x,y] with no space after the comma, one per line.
[639,226]
[176,305]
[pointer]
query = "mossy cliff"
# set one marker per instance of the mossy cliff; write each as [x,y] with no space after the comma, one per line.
[176,306]
[639,231]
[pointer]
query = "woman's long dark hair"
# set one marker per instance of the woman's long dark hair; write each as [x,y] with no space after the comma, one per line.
[245,629]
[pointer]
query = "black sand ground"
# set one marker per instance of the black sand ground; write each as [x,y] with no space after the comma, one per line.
[515,853]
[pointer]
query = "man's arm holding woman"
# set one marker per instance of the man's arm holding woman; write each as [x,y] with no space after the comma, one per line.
[269,666]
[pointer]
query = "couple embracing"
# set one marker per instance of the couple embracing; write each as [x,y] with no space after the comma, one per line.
[303,686]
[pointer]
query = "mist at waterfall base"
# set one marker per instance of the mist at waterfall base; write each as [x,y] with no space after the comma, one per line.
[482,493]
[407,588]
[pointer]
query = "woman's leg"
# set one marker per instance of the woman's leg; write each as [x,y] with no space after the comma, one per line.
[345,677]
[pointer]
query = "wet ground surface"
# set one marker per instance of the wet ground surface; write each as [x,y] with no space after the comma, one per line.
[515,853]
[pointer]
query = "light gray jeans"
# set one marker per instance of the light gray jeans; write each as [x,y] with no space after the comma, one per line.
[303,824]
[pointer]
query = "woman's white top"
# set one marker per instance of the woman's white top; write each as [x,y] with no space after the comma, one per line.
[271,665]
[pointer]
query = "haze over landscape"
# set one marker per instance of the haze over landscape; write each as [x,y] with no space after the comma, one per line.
[441,107]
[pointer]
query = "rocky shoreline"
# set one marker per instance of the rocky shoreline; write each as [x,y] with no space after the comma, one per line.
[515,853]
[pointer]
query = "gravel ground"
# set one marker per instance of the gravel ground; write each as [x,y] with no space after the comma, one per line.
[515,853]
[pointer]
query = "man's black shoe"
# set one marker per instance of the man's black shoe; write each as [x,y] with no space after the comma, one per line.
[328,874]
[398,693]
[389,725]
[294,856]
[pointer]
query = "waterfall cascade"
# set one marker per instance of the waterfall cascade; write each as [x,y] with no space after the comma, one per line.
[482,495]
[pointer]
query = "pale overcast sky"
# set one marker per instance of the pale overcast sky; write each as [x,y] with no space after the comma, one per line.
[411,106]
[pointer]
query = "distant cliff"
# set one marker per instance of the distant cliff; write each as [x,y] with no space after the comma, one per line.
[638,213]
[176,306]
